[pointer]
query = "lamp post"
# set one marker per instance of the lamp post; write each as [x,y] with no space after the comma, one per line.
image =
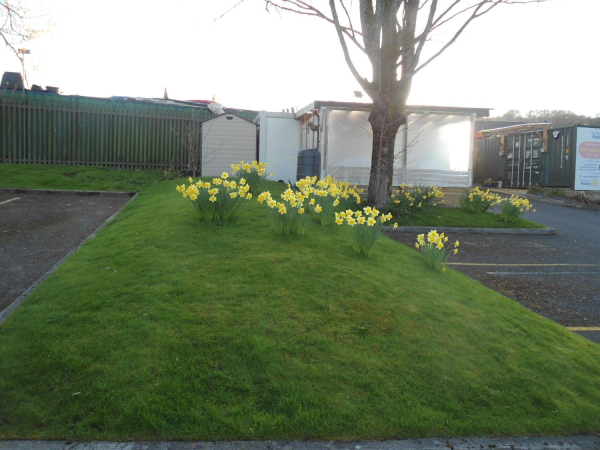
[23,52]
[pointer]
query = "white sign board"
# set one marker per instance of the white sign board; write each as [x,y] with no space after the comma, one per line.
[587,162]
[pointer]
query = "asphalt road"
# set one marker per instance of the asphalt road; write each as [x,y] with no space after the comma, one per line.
[38,230]
[556,276]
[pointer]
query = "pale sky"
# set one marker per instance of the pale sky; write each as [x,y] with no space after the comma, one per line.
[540,56]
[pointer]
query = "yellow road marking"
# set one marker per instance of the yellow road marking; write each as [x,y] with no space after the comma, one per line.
[524,265]
[11,200]
[584,328]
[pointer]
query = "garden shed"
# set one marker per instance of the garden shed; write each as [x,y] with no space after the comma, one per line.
[435,147]
[227,139]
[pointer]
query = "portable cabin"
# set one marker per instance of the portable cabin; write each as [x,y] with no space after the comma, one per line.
[434,147]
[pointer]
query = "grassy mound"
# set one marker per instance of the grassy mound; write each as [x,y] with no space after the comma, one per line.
[163,327]
[441,216]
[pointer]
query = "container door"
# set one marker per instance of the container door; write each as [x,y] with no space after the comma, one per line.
[559,163]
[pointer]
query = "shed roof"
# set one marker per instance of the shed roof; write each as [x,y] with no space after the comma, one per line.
[230,114]
[358,106]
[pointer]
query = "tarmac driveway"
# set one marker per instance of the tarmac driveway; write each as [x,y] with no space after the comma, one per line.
[37,230]
[557,276]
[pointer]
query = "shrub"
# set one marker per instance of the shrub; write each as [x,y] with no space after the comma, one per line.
[411,199]
[513,207]
[218,201]
[171,174]
[477,200]
[434,250]
[535,190]
[365,227]
[254,174]
[555,192]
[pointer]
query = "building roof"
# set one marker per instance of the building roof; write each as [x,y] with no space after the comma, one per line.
[358,106]
[230,114]
[492,124]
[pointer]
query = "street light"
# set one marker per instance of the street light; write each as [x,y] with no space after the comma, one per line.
[23,52]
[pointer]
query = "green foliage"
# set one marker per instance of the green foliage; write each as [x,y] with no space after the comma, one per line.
[321,198]
[218,201]
[411,199]
[434,250]
[535,189]
[254,174]
[513,207]
[365,227]
[555,192]
[477,200]
[171,174]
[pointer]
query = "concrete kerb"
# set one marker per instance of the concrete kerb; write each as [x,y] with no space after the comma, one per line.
[456,230]
[66,192]
[517,443]
[21,298]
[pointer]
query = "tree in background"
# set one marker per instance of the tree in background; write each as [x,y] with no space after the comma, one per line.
[17,27]
[392,35]
[557,117]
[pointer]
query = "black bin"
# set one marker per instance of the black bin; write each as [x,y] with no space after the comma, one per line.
[309,161]
[12,80]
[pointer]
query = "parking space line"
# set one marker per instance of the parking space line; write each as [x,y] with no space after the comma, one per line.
[543,273]
[584,328]
[11,200]
[523,265]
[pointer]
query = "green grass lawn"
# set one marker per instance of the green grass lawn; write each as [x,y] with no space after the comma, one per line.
[87,178]
[163,327]
[441,216]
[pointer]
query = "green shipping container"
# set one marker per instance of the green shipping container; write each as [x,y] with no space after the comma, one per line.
[558,163]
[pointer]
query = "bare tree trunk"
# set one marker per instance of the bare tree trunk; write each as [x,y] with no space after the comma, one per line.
[385,122]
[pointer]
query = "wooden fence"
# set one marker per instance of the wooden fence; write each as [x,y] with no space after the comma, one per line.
[55,129]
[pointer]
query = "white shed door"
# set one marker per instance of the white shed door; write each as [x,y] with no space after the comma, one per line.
[226,140]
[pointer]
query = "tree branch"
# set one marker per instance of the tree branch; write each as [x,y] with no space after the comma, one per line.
[364,83]
[475,15]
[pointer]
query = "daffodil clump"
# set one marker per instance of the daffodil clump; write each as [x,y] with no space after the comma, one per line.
[289,216]
[254,173]
[478,200]
[409,199]
[218,200]
[513,207]
[327,196]
[434,250]
[365,227]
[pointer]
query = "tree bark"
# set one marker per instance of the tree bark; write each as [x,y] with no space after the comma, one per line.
[385,123]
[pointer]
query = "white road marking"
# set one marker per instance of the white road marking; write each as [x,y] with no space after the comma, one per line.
[11,200]
[523,265]
[543,273]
